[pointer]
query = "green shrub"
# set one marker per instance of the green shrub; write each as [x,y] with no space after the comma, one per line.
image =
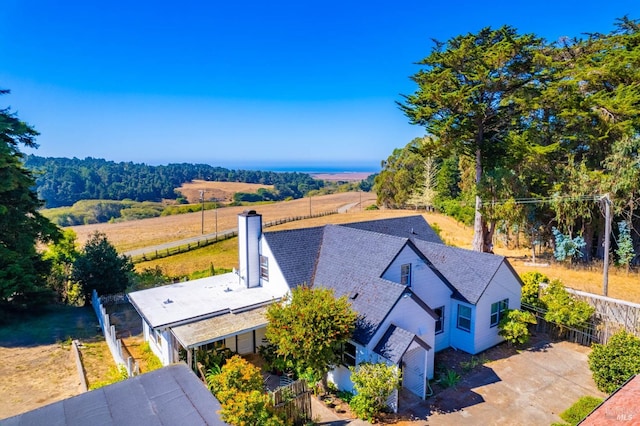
[449,378]
[531,287]
[581,409]
[514,326]
[614,363]
[564,309]
[373,384]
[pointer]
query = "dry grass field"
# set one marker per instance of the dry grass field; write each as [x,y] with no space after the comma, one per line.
[149,232]
[220,191]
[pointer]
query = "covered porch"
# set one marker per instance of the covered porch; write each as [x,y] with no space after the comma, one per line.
[237,332]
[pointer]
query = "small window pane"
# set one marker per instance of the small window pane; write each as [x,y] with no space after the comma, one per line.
[349,354]
[464,318]
[440,320]
[264,268]
[405,274]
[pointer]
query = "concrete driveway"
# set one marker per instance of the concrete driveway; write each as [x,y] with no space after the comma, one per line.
[530,388]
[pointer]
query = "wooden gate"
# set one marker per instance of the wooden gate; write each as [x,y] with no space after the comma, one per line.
[294,401]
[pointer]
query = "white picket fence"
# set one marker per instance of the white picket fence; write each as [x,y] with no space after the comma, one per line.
[120,355]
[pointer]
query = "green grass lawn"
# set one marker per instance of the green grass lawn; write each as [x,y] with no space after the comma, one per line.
[55,323]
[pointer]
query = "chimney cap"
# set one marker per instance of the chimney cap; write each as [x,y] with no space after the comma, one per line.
[249,213]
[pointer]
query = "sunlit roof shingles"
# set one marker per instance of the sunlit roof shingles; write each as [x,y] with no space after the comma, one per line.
[351,262]
[296,252]
[469,272]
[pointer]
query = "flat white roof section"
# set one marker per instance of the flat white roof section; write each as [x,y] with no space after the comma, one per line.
[181,303]
[217,328]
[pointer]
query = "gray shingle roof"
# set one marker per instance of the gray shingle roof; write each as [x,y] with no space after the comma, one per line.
[351,262]
[468,272]
[414,227]
[170,396]
[296,252]
[395,342]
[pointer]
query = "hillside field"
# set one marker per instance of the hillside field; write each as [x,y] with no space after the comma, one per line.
[217,191]
[131,235]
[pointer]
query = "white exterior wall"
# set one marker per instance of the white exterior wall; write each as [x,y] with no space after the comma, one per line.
[503,286]
[408,315]
[276,278]
[249,232]
[427,286]
[461,339]
[161,348]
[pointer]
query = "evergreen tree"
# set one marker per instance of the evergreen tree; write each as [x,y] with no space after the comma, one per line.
[473,96]
[99,267]
[23,271]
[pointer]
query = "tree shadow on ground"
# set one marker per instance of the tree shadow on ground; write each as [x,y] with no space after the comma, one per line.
[53,324]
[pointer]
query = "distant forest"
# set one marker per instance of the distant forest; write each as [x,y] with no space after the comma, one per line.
[64,181]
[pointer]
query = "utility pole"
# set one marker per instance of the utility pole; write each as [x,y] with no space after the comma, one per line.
[216,210]
[202,200]
[607,237]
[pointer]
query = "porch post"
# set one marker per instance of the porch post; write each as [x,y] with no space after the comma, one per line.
[190,358]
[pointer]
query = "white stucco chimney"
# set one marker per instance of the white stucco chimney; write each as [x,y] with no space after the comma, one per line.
[249,232]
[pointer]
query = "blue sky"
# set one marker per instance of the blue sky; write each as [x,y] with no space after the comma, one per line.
[266,85]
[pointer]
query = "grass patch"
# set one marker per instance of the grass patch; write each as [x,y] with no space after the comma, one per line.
[53,324]
[473,363]
[151,360]
[581,409]
[114,375]
[224,255]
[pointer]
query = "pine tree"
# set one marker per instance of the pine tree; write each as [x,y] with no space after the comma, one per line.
[23,271]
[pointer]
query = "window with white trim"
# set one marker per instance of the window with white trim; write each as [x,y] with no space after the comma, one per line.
[405,274]
[464,318]
[498,310]
[264,268]
[440,320]
[349,354]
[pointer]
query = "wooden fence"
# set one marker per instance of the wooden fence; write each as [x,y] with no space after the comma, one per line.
[611,315]
[294,402]
[582,335]
[220,236]
[120,354]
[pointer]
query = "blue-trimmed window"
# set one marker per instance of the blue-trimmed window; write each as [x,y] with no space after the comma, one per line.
[464,318]
[498,311]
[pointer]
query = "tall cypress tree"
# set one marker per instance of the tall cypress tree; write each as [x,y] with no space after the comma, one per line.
[22,268]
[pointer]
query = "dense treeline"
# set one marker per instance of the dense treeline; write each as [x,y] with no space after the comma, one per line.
[524,136]
[64,181]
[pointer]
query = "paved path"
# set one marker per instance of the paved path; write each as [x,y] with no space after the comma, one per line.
[530,388]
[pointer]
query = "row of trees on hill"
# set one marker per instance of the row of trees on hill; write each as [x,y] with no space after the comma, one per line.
[64,181]
[509,118]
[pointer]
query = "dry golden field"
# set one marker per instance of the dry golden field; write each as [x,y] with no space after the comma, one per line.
[131,235]
[220,191]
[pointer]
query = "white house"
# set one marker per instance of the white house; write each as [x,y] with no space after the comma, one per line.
[413,294]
